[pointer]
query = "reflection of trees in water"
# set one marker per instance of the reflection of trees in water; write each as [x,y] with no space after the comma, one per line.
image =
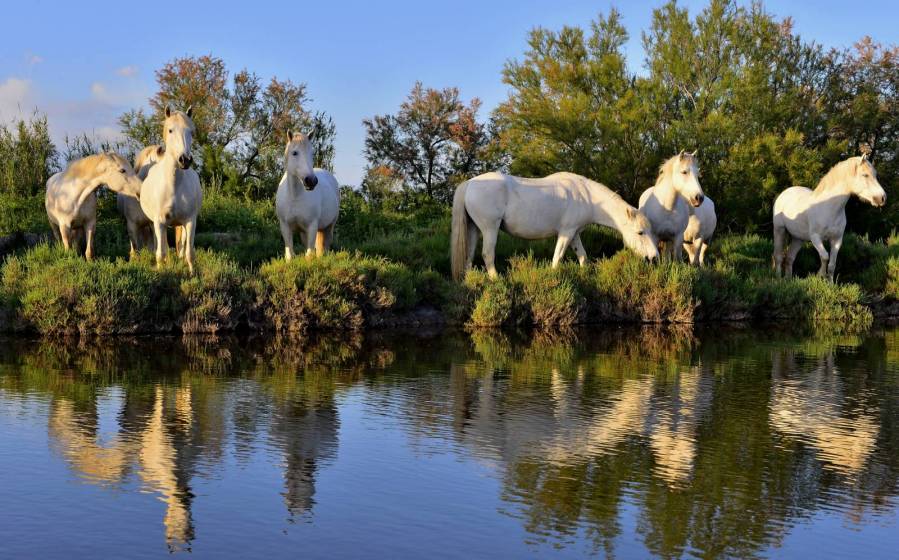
[719,443]
[176,409]
[687,431]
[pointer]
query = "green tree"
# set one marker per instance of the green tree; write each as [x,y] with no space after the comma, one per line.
[240,123]
[27,156]
[433,141]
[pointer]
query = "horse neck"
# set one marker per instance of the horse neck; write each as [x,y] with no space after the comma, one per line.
[609,209]
[170,166]
[85,186]
[833,187]
[665,192]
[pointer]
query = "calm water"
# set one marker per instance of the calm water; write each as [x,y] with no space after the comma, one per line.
[619,443]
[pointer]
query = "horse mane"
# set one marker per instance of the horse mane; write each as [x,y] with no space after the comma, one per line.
[829,178]
[665,168]
[147,155]
[87,166]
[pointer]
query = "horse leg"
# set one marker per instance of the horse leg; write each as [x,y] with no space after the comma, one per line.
[179,241]
[188,231]
[472,244]
[89,229]
[309,239]
[835,245]
[702,251]
[162,244]
[54,227]
[287,236]
[822,253]
[488,251]
[133,238]
[792,251]
[677,247]
[562,243]
[579,249]
[65,234]
[777,258]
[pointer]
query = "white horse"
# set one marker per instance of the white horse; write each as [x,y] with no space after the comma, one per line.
[820,215]
[140,227]
[307,201]
[560,205]
[71,201]
[700,229]
[171,195]
[667,203]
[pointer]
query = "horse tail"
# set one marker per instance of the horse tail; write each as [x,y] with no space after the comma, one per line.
[321,239]
[459,236]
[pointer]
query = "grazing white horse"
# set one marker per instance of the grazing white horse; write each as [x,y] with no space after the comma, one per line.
[667,203]
[700,229]
[559,205]
[71,201]
[307,201]
[140,227]
[820,215]
[171,195]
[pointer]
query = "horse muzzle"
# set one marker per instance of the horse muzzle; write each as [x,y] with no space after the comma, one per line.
[879,201]
[310,181]
[697,200]
[185,161]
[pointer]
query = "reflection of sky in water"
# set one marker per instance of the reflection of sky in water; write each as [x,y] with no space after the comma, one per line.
[458,448]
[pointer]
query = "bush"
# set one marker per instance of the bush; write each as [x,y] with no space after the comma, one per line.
[53,291]
[337,291]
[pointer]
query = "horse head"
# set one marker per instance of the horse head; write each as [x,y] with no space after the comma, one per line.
[118,175]
[864,183]
[178,132]
[685,177]
[298,159]
[638,236]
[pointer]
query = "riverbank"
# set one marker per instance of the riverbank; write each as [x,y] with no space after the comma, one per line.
[48,291]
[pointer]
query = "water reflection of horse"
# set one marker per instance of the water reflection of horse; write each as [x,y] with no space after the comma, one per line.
[811,406]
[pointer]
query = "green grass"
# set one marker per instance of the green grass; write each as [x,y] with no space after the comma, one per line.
[389,263]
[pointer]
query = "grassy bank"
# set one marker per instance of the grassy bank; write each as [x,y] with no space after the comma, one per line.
[392,269]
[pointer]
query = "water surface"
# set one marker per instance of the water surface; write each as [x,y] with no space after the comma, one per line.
[623,443]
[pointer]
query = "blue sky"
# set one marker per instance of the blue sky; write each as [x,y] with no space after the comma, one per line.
[84,63]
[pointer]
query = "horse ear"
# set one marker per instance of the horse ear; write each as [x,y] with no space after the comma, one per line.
[310,135]
[289,136]
[631,213]
[168,111]
[190,111]
[696,151]
[865,156]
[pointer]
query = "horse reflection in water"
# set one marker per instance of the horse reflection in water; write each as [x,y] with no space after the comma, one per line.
[565,429]
[808,408]
[149,444]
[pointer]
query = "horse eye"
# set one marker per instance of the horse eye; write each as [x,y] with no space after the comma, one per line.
[296,153]
[171,130]
[121,170]
[865,175]
[640,232]
[684,171]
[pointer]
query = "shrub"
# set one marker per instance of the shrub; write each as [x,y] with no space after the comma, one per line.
[54,291]
[337,291]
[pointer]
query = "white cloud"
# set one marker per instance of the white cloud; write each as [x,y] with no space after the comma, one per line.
[100,92]
[33,59]
[16,98]
[127,71]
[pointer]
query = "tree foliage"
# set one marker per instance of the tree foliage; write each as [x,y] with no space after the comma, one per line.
[766,108]
[240,122]
[432,142]
[28,156]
